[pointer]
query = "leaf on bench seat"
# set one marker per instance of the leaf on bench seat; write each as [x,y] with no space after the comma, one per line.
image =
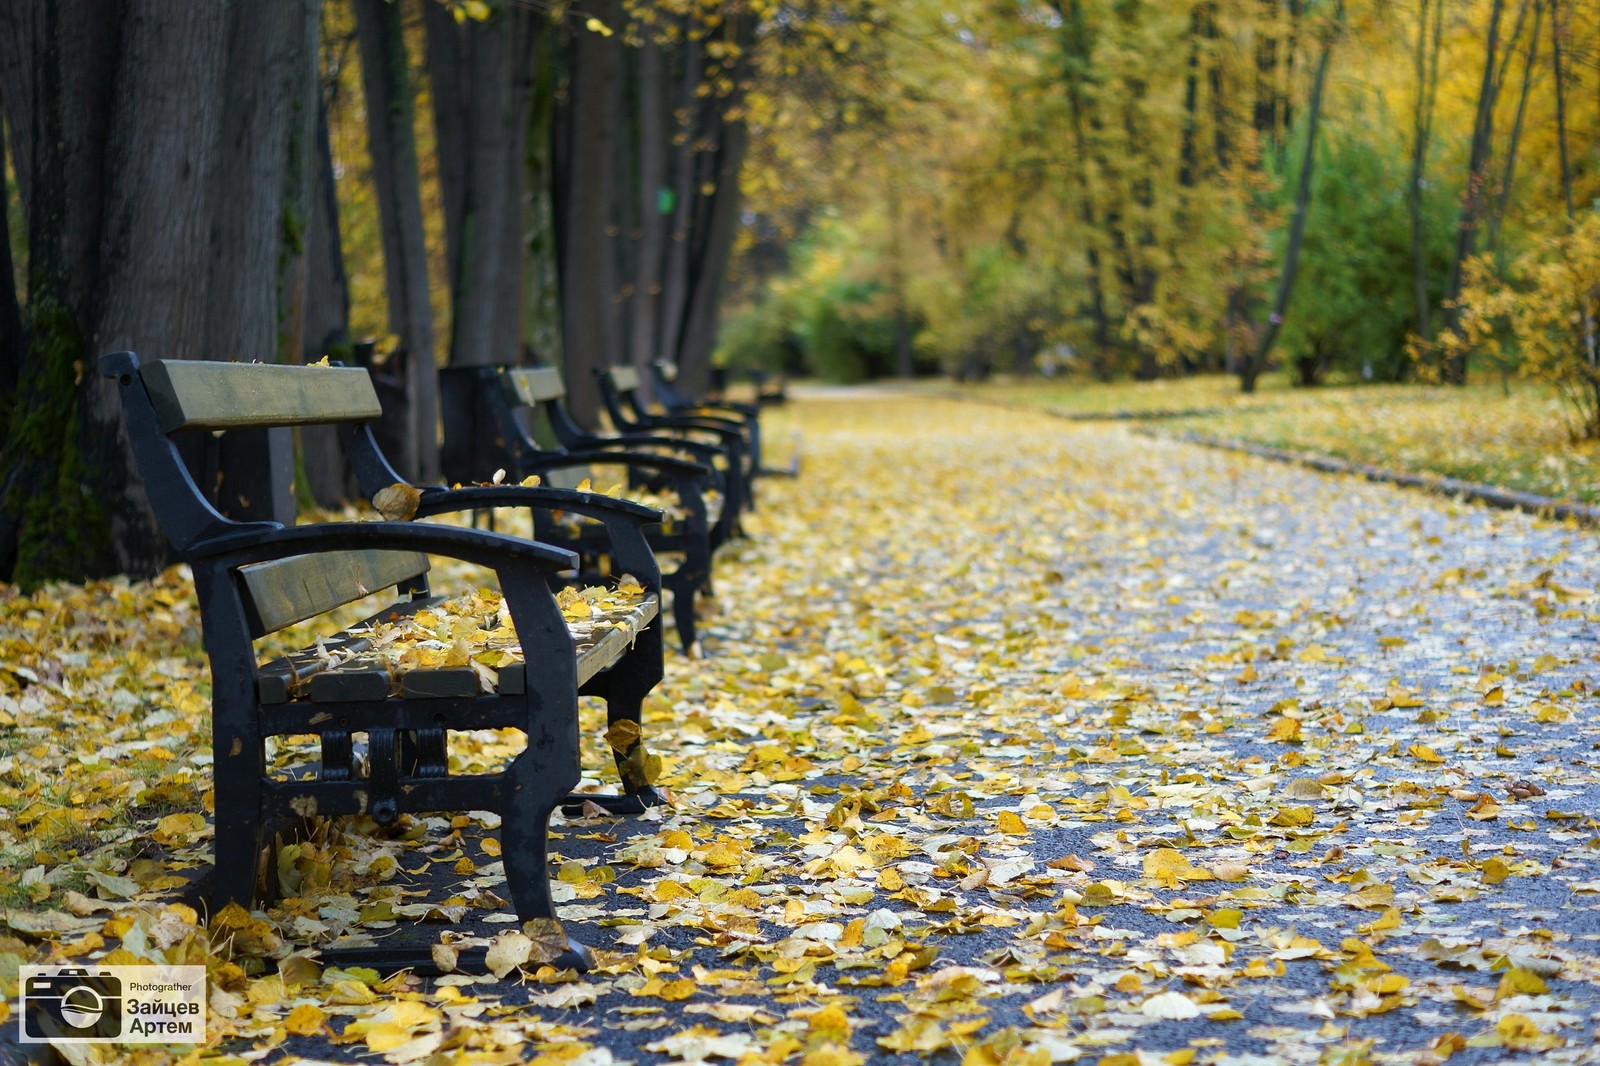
[460,646]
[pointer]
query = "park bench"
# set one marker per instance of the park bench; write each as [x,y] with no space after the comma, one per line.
[507,418]
[676,402]
[620,393]
[254,579]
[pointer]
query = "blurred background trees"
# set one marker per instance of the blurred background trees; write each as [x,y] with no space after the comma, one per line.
[1109,186]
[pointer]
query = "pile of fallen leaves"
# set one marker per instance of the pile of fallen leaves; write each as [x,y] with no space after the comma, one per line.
[1018,742]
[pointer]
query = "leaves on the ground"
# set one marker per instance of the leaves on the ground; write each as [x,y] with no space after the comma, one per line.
[1019,743]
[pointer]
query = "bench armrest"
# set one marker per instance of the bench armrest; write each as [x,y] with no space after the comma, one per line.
[703,423]
[624,520]
[663,464]
[470,545]
[702,451]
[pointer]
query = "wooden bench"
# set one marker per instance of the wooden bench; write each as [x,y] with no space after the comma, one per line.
[676,402]
[513,418]
[620,393]
[257,578]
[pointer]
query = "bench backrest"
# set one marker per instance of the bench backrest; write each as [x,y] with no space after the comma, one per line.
[286,591]
[165,398]
[533,385]
[193,395]
[623,378]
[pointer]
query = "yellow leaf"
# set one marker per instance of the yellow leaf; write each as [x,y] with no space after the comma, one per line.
[1519,982]
[306,1020]
[1294,816]
[1011,823]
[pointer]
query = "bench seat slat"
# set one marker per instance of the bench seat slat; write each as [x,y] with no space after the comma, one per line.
[193,394]
[286,591]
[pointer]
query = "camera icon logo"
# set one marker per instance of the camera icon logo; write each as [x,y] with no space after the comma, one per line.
[72,1004]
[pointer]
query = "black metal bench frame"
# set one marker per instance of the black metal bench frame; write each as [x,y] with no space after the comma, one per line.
[619,388]
[255,578]
[487,414]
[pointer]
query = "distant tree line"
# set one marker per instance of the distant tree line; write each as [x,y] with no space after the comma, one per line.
[1336,186]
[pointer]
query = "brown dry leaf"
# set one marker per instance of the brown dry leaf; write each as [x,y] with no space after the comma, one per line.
[398,502]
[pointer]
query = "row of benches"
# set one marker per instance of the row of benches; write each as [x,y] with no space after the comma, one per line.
[577,614]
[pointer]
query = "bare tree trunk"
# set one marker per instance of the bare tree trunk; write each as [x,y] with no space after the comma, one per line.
[541,297]
[1562,159]
[1422,126]
[482,89]
[1591,329]
[654,207]
[1497,216]
[1455,371]
[675,277]
[1257,360]
[386,80]
[583,211]
[327,320]
[269,59]
[10,301]
[710,266]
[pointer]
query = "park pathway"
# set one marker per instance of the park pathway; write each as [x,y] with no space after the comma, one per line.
[1020,741]
[1312,759]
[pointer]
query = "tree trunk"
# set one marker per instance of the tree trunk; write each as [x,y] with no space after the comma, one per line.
[391,138]
[1455,371]
[1497,216]
[270,64]
[676,275]
[585,195]
[541,297]
[654,206]
[1256,361]
[118,258]
[1422,125]
[327,319]
[482,88]
[1563,161]
[10,305]
[710,266]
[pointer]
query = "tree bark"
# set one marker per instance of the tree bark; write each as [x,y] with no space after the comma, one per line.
[482,88]
[10,302]
[1503,199]
[653,208]
[270,64]
[675,286]
[1563,161]
[585,194]
[327,319]
[391,138]
[118,258]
